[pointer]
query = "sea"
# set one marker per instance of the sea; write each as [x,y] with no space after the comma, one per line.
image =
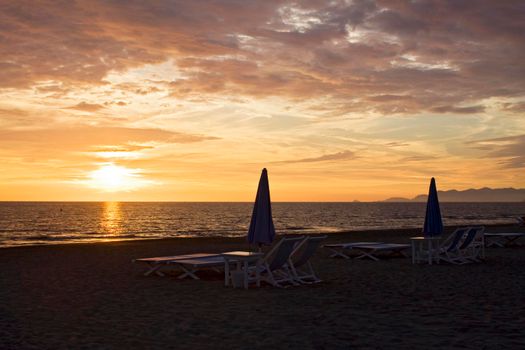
[42,223]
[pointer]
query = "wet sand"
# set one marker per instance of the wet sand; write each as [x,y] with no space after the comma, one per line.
[90,296]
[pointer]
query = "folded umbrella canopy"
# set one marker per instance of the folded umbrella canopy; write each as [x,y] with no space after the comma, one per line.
[433,223]
[261,229]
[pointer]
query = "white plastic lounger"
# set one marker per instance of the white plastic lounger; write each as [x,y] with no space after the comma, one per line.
[299,261]
[274,267]
[503,239]
[475,250]
[371,250]
[449,249]
[338,249]
[191,266]
[156,263]
[463,246]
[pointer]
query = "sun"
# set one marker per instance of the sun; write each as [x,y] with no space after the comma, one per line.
[114,178]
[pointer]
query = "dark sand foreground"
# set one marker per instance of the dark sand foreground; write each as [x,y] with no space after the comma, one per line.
[91,296]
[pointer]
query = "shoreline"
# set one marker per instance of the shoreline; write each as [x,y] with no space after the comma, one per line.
[401,232]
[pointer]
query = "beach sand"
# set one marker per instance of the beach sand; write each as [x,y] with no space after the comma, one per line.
[90,296]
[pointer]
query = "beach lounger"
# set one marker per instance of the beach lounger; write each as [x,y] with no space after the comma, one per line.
[520,220]
[338,249]
[191,266]
[299,261]
[157,263]
[448,251]
[503,239]
[371,251]
[475,249]
[462,253]
[273,267]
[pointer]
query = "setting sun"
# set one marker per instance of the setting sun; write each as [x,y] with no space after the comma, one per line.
[114,178]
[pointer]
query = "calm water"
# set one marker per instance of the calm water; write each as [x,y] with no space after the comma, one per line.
[32,223]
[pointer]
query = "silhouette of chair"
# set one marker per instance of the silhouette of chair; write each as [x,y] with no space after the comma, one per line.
[299,261]
[274,267]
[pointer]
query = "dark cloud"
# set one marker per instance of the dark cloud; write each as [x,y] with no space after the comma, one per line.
[442,54]
[459,110]
[514,107]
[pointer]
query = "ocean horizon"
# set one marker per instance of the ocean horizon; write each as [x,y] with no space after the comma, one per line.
[53,222]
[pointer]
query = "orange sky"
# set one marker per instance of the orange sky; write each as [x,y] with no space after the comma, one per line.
[341,101]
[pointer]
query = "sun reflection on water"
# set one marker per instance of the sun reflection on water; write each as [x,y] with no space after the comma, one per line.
[111,218]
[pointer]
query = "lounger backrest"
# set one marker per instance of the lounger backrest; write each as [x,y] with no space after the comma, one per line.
[456,238]
[479,237]
[471,234]
[305,250]
[277,257]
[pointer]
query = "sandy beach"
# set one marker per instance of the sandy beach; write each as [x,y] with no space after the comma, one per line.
[90,296]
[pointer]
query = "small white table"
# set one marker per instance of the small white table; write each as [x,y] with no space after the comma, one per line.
[419,253]
[243,260]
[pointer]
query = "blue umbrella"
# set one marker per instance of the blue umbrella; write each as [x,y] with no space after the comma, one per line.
[261,229]
[433,223]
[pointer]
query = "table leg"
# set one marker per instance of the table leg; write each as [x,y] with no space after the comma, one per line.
[226,272]
[413,252]
[245,274]
[258,272]
[429,252]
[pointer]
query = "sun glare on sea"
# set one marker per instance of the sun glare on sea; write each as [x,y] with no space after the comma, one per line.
[113,178]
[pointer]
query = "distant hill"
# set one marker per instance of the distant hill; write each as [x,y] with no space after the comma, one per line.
[472,195]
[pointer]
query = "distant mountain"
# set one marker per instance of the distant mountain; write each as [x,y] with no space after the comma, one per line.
[472,195]
[397,199]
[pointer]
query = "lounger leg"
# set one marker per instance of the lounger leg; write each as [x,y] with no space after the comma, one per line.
[290,276]
[154,268]
[339,253]
[402,253]
[187,272]
[512,241]
[367,255]
[495,242]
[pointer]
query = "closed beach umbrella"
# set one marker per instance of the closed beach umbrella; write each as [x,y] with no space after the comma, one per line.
[433,223]
[261,229]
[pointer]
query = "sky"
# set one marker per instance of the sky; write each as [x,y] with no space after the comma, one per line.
[189,100]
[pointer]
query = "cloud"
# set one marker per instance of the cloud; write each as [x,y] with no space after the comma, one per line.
[343,155]
[459,110]
[514,107]
[87,107]
[83,137]
[510,150]
[440,54]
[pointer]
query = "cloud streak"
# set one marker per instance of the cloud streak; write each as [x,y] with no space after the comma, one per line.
[339,156]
